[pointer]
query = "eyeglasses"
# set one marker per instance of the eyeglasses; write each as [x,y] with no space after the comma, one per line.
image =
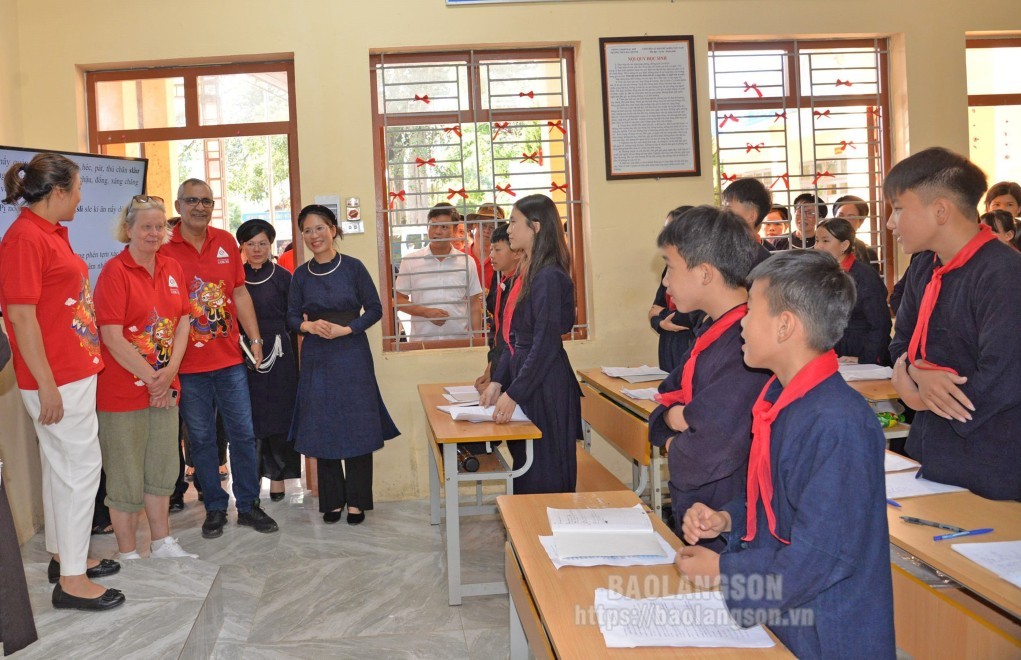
[145,199]
[204,201]
[261,245]
[312,231]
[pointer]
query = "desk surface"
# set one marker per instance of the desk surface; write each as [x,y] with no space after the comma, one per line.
[445,429]
[560,595]
[612,387]
[875,390]
[965,510]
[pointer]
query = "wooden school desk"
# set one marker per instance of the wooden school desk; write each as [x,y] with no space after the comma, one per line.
[876,391]
[979,619]
[545,602]
[624,422]
[444,434]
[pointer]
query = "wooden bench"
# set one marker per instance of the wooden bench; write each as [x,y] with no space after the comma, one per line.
[593,477]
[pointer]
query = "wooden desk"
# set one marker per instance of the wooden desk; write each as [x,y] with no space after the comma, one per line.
[549,608]
[444,434]
[981,620]
[876,391]
[624,422]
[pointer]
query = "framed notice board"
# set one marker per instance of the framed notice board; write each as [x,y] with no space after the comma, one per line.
[650,113]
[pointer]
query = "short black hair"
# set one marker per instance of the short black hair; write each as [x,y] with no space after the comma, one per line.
[935,171]
[499,234]
[708,235]
[853,200]
[811,285]
[999,220]
[678,212]
[324,212]
[1003,188]
[750,191]
[840,229]
[444,208]
[809,198]
[782,210]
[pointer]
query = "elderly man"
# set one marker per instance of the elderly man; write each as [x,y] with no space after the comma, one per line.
[213,376]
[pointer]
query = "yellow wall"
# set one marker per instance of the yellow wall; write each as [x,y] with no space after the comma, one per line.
[331,42]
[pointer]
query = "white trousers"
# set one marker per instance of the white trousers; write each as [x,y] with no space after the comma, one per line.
[71,463]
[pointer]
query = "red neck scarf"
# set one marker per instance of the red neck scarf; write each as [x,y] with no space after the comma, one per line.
[704,341]
[499,296]
[512,303]
[764,413]
[916,349]
[847,262]
[670,304]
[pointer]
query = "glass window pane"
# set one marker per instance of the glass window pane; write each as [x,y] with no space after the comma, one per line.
[839,72]
[516,84]
[994,70]
[124,105]
[744,74]
[421,88]
[995,132]
[243,98]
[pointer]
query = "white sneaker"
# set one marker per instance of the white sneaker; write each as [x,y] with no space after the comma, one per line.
[124,556]
[169,548]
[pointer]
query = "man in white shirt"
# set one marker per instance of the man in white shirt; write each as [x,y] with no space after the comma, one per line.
[438,286]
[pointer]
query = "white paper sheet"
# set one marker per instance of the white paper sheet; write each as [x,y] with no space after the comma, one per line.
[895,463]
[463,413]
[461,389]
[696,620]
[904,484]
[865,372]
[644,394]
[622,532]
[462,397]
[640,374]
[637,560]
[1000,557]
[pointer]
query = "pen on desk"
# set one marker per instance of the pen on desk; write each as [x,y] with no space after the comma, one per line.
[893,502]
[970,532]
[931,523]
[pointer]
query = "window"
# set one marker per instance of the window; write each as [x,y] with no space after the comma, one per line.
[231,125]
[994,107]
[805,116]
[470,128]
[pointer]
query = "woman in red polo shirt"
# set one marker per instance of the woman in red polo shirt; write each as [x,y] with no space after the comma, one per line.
[142,311]
[47,306]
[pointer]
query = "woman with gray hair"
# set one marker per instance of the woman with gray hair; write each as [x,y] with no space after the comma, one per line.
[142,311]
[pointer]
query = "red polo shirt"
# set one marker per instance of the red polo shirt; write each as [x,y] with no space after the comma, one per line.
[149,309]
[38,267]
[210,276]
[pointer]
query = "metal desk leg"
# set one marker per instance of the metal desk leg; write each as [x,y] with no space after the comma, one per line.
[453,523]
[518,641]
[434,489]
[586,435]
[657,483]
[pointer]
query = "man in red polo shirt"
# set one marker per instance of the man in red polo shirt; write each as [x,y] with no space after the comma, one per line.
[213,376]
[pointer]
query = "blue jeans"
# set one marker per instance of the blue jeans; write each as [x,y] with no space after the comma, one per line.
[202,395]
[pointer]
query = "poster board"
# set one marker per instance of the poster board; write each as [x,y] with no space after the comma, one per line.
[650,115]
[108,182]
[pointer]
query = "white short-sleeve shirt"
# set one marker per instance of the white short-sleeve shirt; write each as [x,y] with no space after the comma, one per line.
[445,283]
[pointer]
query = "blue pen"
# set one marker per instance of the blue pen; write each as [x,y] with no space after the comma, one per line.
[970,532]
[893,502]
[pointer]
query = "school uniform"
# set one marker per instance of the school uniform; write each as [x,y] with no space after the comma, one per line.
[867,336]
[973,330]
[762,253]
[708,462]
[672,345]
[794,242]
[833,585]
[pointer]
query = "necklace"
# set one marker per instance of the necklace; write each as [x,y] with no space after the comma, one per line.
[312,272]
[273,270]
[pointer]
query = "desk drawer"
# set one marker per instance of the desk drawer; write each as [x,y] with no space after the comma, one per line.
[621,428]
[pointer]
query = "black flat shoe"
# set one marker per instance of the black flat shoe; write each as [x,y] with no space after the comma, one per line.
[213,526]
[104,568]
[176,503]
[276,497]
[331,517]
[109,600]
[355,518]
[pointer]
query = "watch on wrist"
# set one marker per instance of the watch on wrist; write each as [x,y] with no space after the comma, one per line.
[256,342]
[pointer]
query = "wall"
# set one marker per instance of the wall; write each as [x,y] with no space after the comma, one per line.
[331,42]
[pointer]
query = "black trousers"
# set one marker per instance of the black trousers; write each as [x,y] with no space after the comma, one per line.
[345,481]
[277,458]
[17,627]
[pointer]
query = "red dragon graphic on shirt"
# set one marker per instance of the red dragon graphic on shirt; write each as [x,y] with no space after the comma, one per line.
[84,320]
[155,341]
[209,316]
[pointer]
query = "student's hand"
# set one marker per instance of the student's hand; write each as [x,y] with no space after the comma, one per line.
[847,359]
[940,392]
[668,325]
[339,331]
[436,316]
[160,382]
[669,441]
[491,394]
[700,565]
[655,311]
[504,409]
[675,418]
[906,388]
[51,405]
[482,382]
[701,522]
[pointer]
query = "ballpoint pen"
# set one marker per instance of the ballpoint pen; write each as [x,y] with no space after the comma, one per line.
[931,523]
[970,532]
[893,502]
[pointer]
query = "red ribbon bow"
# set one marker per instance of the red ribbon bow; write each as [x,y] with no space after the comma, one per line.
[756,147]
[825,113]
[844,144]
[751,87]
[728,177]
[530,95]
[419,162]
[506,189]
[556,186]
[535,157]
[874,111]
[845,83]
[455,129]
[424,99]
[557,125]
[820,175]
[453,192]
[777,116]
[785,177]
[499,126]
[727,118]
[394,196]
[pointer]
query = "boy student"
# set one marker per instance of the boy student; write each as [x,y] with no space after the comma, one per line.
[813,521]
[704,418]
[505,266]
[954,340]
[751,201]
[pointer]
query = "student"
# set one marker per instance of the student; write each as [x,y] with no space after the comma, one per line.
[956,357]
[867,337]
[505,265]
[808,209]
[1003,225]
[751,201]
[813,520]
[534,370]
[855,210]
[1005,195]
[777,225]
[672,326]
[703,418]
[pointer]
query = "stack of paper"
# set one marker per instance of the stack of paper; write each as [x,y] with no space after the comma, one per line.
[644,394]
[896,463]
[638,560]
[579,533]
[699,620]
[640,374]
[865,372]
[462,413]
[1000,557]
[461,394]
[904,484]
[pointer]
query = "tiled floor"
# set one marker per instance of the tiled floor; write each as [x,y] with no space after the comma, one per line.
[309,591]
